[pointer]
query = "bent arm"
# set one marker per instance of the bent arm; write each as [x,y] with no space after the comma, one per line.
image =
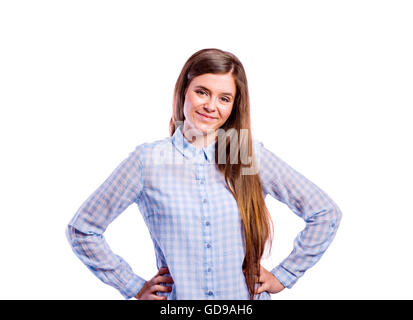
[85,231]
[321,215]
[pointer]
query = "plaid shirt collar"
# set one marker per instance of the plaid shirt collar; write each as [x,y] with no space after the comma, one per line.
[189,150]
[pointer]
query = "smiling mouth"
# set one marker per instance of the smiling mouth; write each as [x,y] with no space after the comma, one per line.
[205,116]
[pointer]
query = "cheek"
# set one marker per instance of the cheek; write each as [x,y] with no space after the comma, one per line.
[226,112]
[189,104]
[188,110]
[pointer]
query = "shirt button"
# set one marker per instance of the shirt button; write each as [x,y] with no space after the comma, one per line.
[207,223]
[204,200]
[202,181]
[209,269]
[208,245]
[210,293]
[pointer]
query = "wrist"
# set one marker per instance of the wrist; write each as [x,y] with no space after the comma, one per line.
[286,278]
[133,287]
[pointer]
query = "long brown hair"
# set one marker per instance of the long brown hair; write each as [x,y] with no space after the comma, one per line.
[246,188]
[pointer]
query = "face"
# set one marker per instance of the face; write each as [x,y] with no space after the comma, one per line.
[209,99]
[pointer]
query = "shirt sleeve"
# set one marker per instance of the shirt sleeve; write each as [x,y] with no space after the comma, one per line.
[321,215]
[85,230]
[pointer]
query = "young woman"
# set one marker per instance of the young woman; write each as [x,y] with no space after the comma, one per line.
[201,193]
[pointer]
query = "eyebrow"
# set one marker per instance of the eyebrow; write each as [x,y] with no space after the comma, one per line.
[202,87]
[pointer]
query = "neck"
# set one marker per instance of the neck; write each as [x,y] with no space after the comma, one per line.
[198,138]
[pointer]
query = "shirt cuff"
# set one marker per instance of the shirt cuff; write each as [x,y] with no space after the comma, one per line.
[286,278]
[132,287]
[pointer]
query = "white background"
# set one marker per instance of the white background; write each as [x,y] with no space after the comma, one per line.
[83,82]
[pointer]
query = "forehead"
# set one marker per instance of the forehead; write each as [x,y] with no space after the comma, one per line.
[215,82]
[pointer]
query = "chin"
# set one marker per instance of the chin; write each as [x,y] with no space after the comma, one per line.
[204,128]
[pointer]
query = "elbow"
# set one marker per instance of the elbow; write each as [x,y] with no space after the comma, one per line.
[70,234]
[336,216]
[76,236]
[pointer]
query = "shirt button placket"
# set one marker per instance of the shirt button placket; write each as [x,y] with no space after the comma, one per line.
[206,232]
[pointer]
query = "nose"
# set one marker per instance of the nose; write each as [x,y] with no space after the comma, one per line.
[210,105]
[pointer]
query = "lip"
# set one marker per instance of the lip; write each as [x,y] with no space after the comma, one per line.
[205,116]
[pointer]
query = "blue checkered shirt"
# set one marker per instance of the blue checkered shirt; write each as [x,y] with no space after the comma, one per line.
[194,220]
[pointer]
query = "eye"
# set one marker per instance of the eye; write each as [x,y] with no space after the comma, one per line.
[200,91]
[225,99]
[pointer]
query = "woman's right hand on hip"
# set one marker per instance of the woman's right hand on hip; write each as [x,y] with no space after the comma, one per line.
[152,286]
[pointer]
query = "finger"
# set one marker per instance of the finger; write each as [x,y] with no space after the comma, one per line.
[163,270]
[164,279]
[161,288]
[261,289]
[155,297]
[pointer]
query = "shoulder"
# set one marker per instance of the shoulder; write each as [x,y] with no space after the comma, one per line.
[257,144]
[149,152]
[258,148]
[261,151]
[267,160]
